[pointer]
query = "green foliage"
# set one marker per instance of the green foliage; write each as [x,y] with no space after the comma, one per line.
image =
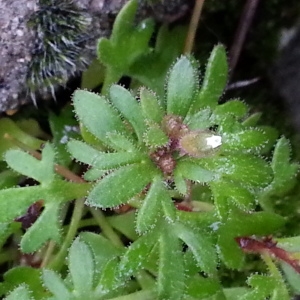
[191,186]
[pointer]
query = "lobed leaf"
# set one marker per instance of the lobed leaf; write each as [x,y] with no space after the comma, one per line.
[45,228]
[40,170]
[127,42]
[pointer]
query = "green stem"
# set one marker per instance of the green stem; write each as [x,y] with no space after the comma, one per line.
[111,77]
[275,273]
[48,254]
[57,262]
[106,228]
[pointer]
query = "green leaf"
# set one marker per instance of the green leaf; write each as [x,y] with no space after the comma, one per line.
[102,248]
[81,265]
[180,183]
[8,178]
[21,276]
[203,288]
[121,185]
[102,160]
[20,292]
[227,192]
[45,228]
[110,278]
[170,281]
[127,42]
[97,115]
[151,109]
[284,171]
[202,247]
[12,207]
[151,208]
[40,170]
[200,120]
[128,106]
[248,170]
[155,137]
[55,285]
[264,287]
[120,142]
[234,107]
[214,82]
[254,140]
[137,254]
[181,86]
[190,170]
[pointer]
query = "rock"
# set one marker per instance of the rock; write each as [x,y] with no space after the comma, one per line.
[43,43]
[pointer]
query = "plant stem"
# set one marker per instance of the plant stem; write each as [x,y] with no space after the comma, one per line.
[106,228]
[57,262]
[110,77]
[275,273]
[189,42]
[48,253]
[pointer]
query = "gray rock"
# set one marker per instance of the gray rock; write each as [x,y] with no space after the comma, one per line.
[34,32]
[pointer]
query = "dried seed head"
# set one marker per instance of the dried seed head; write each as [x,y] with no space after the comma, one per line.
[199,143]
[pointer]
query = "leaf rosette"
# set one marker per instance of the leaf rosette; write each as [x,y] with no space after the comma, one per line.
[186,136]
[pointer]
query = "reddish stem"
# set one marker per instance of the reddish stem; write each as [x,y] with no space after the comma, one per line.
[268,245]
